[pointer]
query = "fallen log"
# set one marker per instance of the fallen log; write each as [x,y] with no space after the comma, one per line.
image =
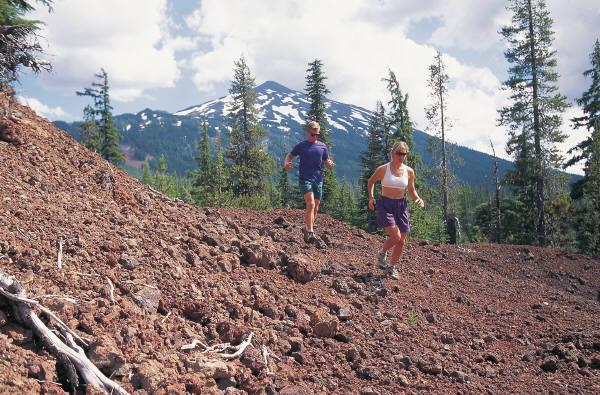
[71,355]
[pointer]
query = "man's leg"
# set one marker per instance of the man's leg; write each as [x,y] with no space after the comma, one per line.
[309,214]
[317,195]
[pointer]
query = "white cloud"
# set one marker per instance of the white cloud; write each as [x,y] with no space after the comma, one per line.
[279,39]
[45,110]
[468,24]
[129,39]
[577,27]
[357,42]
[142,48]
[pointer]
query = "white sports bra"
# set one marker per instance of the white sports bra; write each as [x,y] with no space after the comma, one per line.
[392,181]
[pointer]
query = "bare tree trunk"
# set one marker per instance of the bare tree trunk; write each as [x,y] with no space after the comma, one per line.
[444,163]
[539,176]
[498,235]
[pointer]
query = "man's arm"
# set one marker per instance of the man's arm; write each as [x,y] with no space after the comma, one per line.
[287,162]
[328,162]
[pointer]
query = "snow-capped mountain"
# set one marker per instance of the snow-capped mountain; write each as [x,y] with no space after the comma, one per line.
[283,113]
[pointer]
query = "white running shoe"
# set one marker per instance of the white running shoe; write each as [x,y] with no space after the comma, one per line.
[381,260]
[394,273]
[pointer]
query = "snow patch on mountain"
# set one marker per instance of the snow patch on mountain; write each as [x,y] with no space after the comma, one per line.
[284,109]
[289,111]
[334,124]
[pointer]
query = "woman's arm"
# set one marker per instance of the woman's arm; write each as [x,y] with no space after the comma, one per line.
[412,192]
[377,176]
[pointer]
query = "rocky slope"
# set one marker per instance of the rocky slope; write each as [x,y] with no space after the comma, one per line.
[469,319]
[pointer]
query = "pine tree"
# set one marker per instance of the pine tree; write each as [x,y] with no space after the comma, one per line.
[19,41]
[221,174]
[146,174]
[591,226]
[374,156]
[162,183]
[497,234]
[590,104]
[316,91]
[90,136]
[285,189]
[250,164]
[101,112]
[398,117]
[203,178]
[437,116]
[399,121]
[587,191]
[534,116]
[347,203]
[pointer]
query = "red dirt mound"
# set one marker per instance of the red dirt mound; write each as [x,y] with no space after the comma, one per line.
[476,318]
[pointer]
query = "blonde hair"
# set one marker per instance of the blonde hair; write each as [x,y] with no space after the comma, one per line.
[400,144]
[313,125]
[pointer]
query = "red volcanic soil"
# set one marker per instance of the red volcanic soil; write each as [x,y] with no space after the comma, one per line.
[477,318]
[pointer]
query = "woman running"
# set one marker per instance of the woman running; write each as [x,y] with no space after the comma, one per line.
[392,206]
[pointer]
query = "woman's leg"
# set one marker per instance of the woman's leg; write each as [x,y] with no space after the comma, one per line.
[398,248]
[393,239]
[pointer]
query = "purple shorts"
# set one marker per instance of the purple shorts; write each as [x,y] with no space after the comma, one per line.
[393,212]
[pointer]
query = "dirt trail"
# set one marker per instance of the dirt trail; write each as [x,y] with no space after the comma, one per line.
[478,318]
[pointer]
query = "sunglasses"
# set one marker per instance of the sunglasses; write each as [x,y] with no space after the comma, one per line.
[401,153]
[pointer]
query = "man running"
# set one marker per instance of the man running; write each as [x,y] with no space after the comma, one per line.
[313,153]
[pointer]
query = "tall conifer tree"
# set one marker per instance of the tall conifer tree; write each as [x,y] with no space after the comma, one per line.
[90,136]
[250,164]
[399,121]
[590,104]
[107,135]
[398,116]
[316,91]
[203,177]
[587,190]
[592,194]
[534,115]
[221,174]
[437,116]
[19,42]
[285,189]
[374,156]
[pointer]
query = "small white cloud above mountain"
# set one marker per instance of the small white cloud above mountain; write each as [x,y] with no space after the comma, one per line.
[45,110]
[129,39]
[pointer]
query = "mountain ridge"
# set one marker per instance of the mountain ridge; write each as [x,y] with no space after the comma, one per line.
[283,113]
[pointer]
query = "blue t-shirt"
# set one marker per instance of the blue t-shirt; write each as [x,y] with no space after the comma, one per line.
[311,156]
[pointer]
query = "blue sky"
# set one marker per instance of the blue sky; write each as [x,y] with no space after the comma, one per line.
[170,55]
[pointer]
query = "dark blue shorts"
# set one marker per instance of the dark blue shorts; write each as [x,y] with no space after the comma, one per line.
[316,187]
[393,212]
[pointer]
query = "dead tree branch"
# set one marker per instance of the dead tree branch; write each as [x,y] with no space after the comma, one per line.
[59,245]
[71,355]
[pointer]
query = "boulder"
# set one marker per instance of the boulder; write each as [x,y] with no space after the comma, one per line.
[324,324]
[301,269]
